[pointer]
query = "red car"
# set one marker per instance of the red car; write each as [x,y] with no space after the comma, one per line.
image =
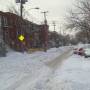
[79,51]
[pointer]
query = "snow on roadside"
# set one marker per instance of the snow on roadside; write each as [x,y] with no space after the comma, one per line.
[18,68]
[20,71]
[74,75]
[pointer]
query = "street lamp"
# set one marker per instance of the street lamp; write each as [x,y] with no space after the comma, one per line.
[35,8]
[27,11]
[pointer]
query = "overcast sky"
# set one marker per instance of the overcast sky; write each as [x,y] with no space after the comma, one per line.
[57,9]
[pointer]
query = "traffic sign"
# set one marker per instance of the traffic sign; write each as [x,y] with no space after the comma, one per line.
[21,37]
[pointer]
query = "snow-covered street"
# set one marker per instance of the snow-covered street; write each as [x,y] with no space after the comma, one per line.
[44,44]
[58,69]
[73,75]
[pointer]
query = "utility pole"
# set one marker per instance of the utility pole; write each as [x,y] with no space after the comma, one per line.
[21,5]
[21,8]
[45,20]
[21,14]
[60,30]
[45,31]
[54,25]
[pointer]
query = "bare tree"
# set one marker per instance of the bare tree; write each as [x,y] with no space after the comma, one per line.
[13,9]
[79,19]
[81,36]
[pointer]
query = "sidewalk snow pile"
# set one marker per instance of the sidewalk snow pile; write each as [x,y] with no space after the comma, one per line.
[21,71]
[74,75]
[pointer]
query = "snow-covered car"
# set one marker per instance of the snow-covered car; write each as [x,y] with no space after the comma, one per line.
[87,53]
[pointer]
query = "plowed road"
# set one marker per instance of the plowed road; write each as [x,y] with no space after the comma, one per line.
[58,61]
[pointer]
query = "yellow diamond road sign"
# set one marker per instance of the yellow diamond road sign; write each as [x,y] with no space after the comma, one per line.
[21,37]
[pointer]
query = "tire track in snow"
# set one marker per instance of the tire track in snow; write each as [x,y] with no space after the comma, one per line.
[47,84]
[52,64]
[58,60]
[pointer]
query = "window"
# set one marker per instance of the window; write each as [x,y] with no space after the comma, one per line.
[5,22]
[0,30]
[0,21]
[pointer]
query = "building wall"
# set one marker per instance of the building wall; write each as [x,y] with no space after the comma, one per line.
[35,35]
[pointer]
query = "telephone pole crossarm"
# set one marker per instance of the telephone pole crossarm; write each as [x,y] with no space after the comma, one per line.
[45,20]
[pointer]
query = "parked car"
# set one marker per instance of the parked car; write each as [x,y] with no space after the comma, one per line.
[79,51]
[87,53]
[75,50]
